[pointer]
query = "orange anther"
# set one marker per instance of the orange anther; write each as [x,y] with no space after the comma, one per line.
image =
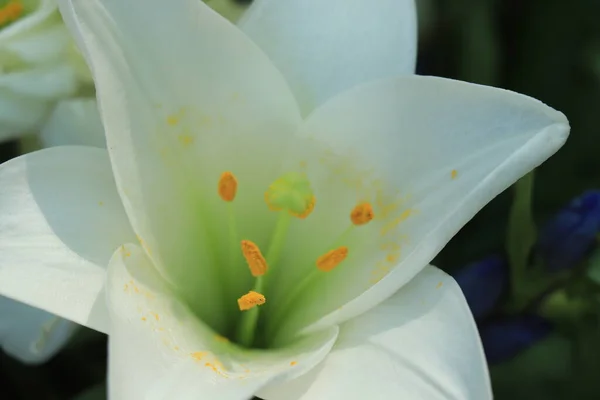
[332,259]
[10,12]
[362,214]
[227,186]
[254,258]
[251,300]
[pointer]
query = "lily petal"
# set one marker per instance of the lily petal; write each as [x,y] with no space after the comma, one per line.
[421,343]
[179,108]
[439,150]
[76,122]
[61,220]
[160,350]
[29,334]
[327,47]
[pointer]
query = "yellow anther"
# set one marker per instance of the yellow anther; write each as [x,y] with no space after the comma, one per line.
[332,259]
[10,12]
[254,258]
[362,214]
[251,300]
[454,174]
[227,186]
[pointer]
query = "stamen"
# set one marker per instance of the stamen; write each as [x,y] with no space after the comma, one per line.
[251,300]
[291,192]
[332,259]
[10,12]
[256,262]
[227,186]
[362,214]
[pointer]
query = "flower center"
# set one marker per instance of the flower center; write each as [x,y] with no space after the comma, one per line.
[10,11]
[290,195]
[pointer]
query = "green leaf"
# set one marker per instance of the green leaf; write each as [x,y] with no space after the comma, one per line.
[542,372]
[521,234]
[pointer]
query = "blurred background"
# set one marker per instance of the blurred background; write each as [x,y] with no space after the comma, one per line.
[529,263]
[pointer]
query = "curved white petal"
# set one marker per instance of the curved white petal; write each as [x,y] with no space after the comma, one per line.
[29,334]
[184,96]
[74,122]
[428,153]
[158,349]
[326,47]
[60,220]
[421,343]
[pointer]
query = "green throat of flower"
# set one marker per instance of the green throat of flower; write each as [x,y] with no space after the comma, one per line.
[292,197]
[10,11]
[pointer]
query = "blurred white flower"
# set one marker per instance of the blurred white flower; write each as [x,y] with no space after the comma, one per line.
[39,64]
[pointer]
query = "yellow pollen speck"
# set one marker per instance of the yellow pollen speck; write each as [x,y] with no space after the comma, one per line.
[185,140]
[156,316]
[293,363]
[199,355]
[125,251]
[439,285]
[332,259]
[144,319]
[10,12]
[227,186]
[454,174]
[362,214]
[172,120]
[254,258]
[392,257]
[251,300]
[221,339]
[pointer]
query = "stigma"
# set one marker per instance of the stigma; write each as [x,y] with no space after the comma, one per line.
[291,192]
[256,262]
[332,259]
[227,186]
[362,214]
[251,300]
[10,12]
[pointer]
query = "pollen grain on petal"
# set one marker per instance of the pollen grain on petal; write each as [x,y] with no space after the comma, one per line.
[453,174]
[227,187]
[251,300]
[256,262]
[332,259]
[362,214]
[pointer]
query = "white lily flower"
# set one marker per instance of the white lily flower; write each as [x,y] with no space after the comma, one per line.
[39,64]
[202,130]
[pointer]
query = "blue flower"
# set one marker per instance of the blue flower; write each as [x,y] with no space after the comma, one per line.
[482,283]
[568,237]
[505,338]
